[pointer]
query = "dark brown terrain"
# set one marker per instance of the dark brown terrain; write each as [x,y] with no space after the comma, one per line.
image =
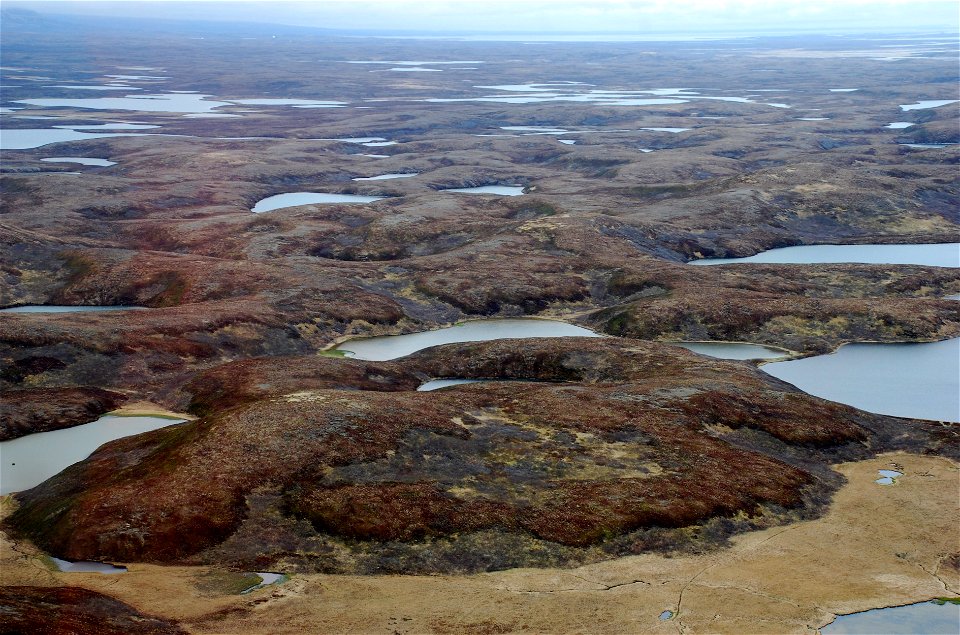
[310,463]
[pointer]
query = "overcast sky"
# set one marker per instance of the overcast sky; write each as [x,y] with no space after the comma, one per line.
[544,15]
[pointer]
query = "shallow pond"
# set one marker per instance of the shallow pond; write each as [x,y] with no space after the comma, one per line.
[919,380]
[53,308]
[30,460]
[899,125]
[293,199]
[936,255]
[394,346]
[80,160]
[732,350]
[86,566]
[266,578]
[924,617]
[501,190]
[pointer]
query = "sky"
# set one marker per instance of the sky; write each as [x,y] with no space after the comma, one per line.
[530,16]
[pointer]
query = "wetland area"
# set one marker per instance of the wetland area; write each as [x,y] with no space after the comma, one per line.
[311,332]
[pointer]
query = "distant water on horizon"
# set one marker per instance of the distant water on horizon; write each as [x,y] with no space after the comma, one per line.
[662,37]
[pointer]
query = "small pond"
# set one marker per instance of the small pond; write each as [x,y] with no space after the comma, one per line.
[935,255]
[293,199]
[924,617]
[500,190]
[28,461]
[919,380]
[52,308]
[887,477]
[732,350]
[394,346]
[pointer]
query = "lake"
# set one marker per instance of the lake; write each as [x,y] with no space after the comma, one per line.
[26,138]
[924,617]
[28,461]
[920,380]
[928,103]
[293,199]
[394,346]
[935,255]
[166,102]
[80,160]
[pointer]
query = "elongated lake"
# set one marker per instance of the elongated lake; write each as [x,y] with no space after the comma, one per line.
[28,461]
[935,255]
[293,199]
[80,160]
[437,384]
[394,346]
[500,190]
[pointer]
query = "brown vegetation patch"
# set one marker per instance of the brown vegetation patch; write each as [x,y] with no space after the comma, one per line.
[72,610]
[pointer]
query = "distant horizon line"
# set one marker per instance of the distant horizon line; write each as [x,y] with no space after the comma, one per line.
[713,32]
